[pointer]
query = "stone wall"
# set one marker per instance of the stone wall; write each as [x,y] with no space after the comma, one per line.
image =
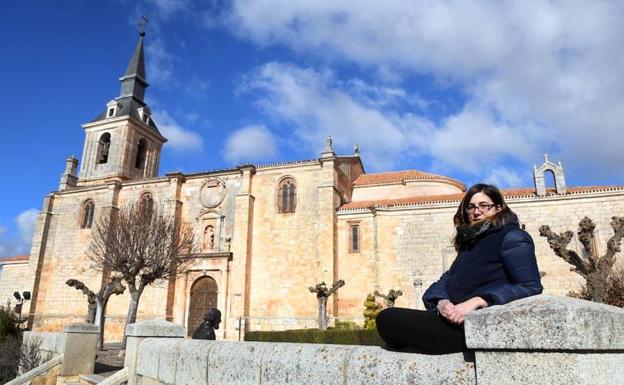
[540,340]
[12,278]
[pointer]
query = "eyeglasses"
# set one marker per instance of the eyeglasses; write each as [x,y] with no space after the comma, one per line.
[483,207]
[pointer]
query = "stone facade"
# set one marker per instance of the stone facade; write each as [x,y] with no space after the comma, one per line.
[262,261]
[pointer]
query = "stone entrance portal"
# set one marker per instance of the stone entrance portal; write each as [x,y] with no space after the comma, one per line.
[204,295]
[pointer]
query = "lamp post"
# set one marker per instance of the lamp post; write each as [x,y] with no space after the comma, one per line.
[25,296]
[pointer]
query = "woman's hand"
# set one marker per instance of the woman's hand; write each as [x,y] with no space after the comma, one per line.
[445,307]
[457,313]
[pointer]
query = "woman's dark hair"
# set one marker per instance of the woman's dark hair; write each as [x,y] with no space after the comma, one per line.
[500,219]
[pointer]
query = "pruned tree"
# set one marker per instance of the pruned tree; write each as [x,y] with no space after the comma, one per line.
[322,293]
[97,302]
[597,270]
[389,298]
[142,245]
[91,298]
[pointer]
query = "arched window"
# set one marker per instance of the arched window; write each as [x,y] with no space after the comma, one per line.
[287,196]
[141,154]
[103,148]
[146,206]
[209,238]
[86,214]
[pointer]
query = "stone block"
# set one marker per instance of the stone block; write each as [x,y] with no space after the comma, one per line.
[375,366]
[156,328]
[192,364]
[149,353]
[549,368]
[547,323]
[79,349]
[235,363]
[285,363]
[167,361]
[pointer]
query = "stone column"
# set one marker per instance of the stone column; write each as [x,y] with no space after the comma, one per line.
[548,340]
[139,331]
[79,350]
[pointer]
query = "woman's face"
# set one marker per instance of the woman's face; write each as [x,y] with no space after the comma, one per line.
[481,207]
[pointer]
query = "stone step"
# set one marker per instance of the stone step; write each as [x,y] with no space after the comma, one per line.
[90,379]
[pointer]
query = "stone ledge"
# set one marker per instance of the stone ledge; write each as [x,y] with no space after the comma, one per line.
[547,323]
[232,363]
[156,328]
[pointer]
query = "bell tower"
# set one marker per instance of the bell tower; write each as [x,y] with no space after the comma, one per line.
[123,142]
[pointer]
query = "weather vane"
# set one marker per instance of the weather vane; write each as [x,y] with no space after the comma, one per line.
[142,22]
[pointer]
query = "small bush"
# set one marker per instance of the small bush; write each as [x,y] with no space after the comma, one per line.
[346,325]
[8,323]
[315,336]
[613,289]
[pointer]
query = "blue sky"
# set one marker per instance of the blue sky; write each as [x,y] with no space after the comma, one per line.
[474,90]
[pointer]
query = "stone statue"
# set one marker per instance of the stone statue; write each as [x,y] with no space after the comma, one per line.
[206,330]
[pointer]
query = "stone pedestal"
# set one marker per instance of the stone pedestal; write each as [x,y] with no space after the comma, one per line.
[548,340]
[137,332]
[79,350]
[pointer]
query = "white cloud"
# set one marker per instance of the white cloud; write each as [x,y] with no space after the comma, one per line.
[21,244]
[179,138]
[167,8]
[503,177]
[26,224]
[250,143]
[316,104]
[161,63]
[541,75]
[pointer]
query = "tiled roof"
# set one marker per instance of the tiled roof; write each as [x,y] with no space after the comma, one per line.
[17,258]
[403,201]
[400,177]
[528,192]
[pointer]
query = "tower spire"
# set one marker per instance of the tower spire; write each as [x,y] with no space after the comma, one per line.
[133,82]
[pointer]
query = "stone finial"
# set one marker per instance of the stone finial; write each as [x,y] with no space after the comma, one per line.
[69,178]
[328,151]
[546,158]
[71,165]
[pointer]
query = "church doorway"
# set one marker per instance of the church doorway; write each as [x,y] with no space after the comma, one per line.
[204,295]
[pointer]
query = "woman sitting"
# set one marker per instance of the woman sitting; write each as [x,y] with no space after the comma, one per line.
[495,264]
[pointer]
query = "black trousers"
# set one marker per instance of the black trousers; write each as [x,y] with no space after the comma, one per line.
[419,331]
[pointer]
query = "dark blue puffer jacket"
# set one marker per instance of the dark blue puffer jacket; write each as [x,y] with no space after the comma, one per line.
[499,267]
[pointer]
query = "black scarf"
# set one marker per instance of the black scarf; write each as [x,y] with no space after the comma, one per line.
[467,235]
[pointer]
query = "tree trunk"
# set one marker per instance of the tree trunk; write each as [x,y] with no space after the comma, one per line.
[135,295]
[99,321]
[323,313]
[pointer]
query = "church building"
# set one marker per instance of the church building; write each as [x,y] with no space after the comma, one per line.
[266,233]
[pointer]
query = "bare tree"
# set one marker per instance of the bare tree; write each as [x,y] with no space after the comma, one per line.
[594,268]
[142,245]
[389,298]
[322,293]
[98,302]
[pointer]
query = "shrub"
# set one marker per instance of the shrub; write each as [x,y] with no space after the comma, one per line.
[346,325]
[8,323]
[332,336]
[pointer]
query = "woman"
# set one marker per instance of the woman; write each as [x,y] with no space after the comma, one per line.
[495,264]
